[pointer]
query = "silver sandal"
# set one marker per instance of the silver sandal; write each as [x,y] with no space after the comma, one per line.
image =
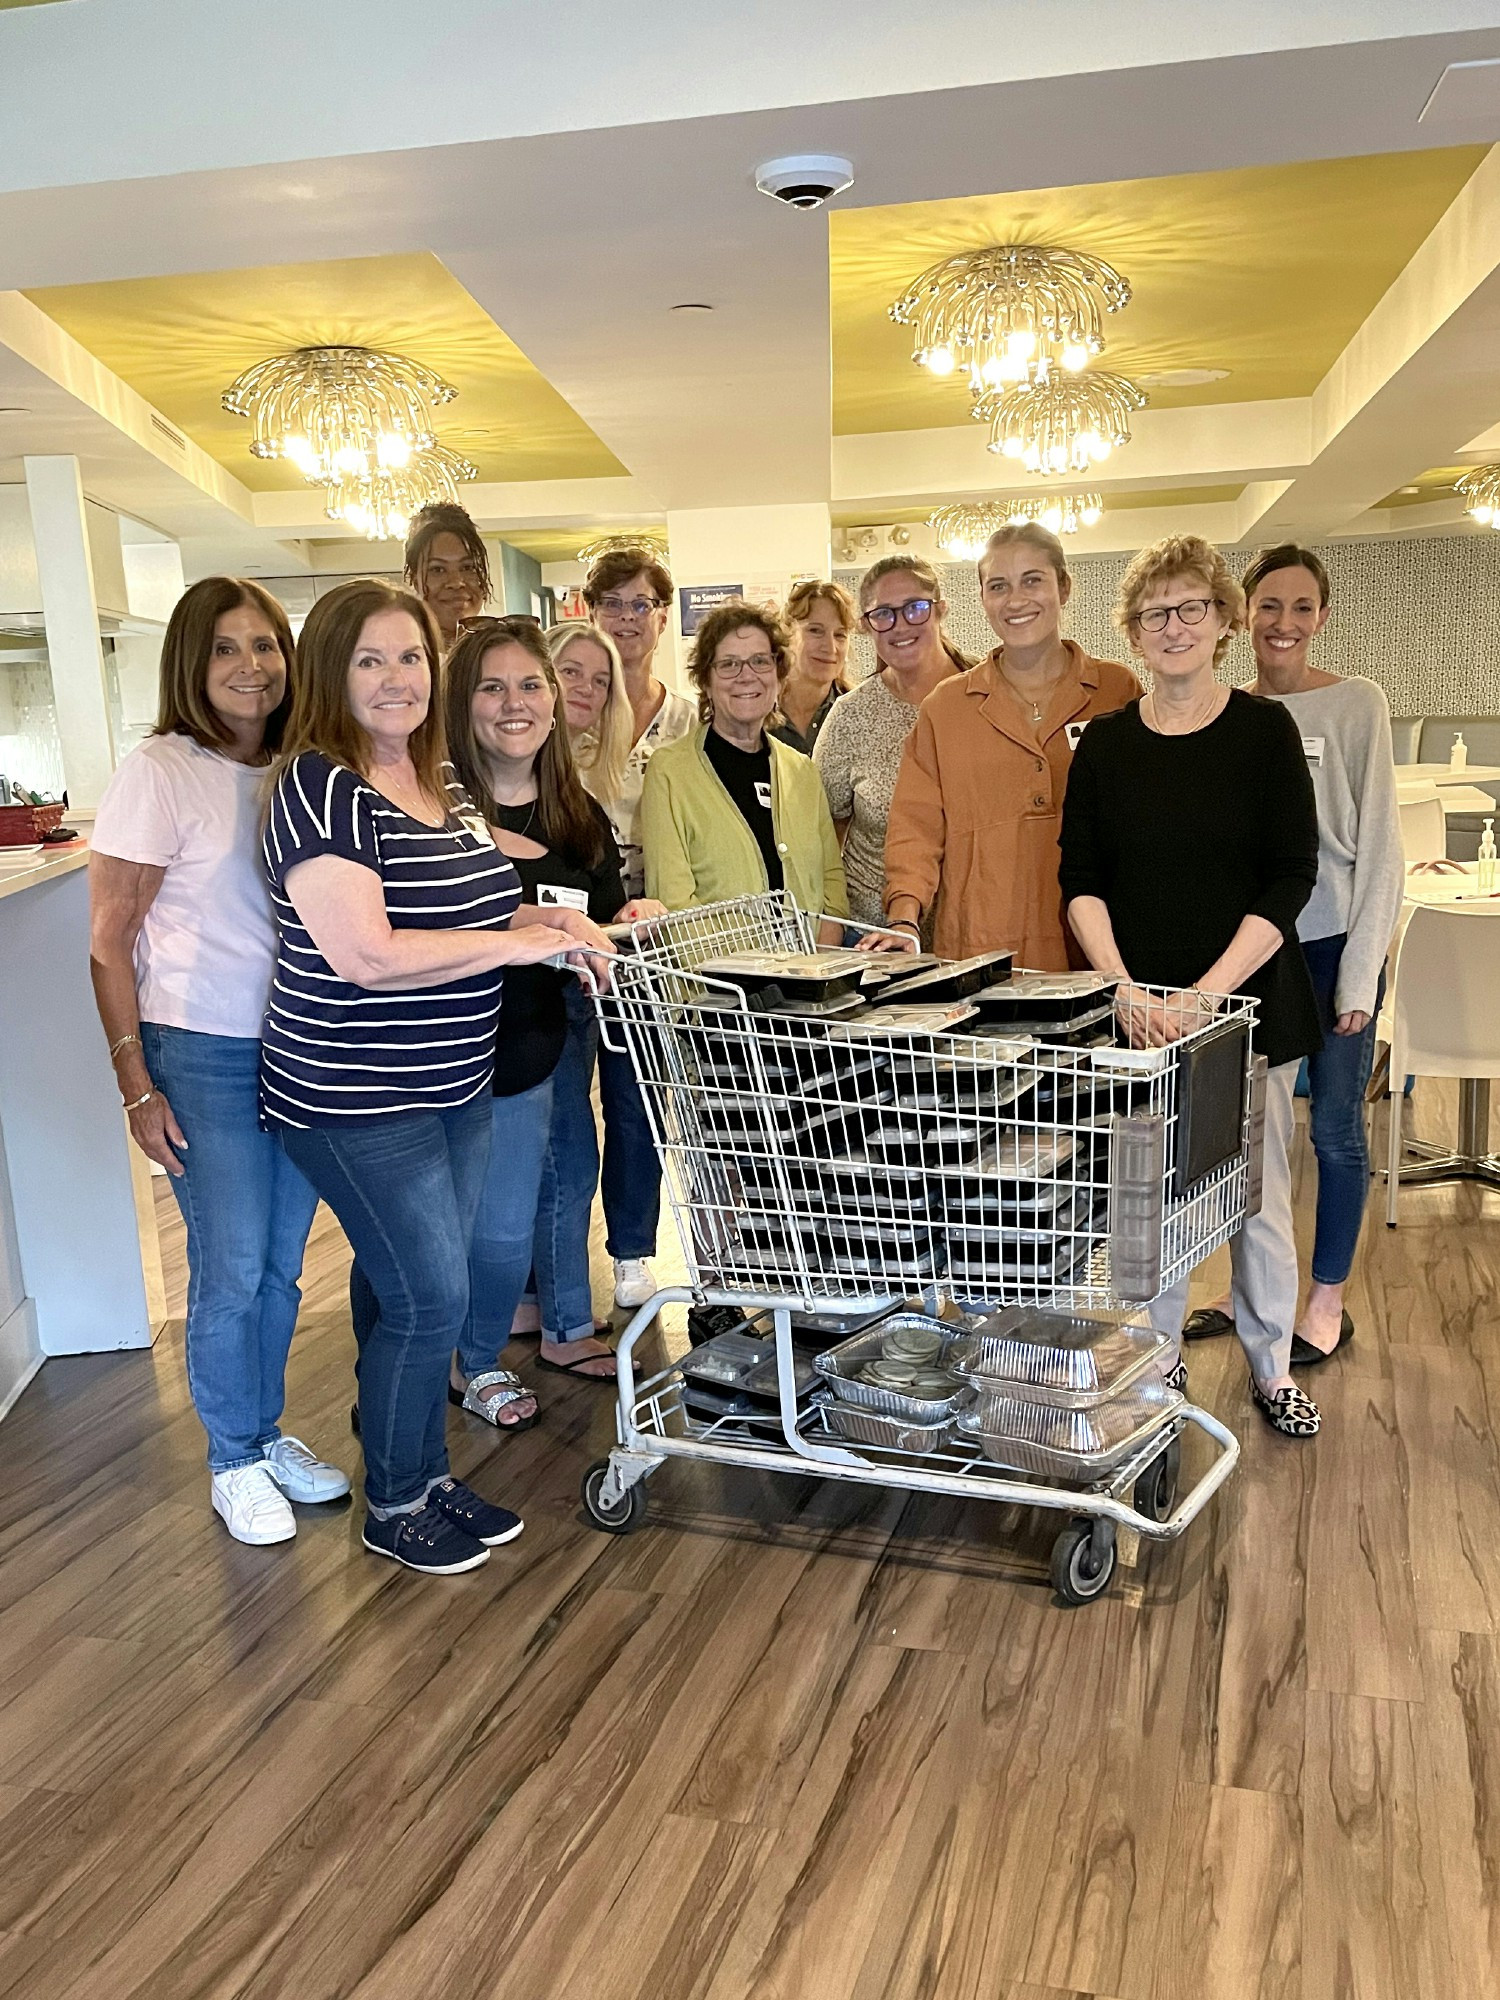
[512,1390]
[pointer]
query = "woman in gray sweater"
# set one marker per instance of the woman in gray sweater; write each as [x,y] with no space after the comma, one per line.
[1346,927]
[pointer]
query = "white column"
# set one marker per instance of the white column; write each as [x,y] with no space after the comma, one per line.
[762,549]
[65,574]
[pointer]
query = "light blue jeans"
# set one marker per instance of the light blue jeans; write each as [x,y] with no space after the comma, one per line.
[500,1255]
[247,1211]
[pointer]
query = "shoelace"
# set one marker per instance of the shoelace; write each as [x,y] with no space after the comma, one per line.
[258,1494]
[295,1449]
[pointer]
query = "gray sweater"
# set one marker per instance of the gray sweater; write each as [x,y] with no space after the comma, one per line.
[1346,734]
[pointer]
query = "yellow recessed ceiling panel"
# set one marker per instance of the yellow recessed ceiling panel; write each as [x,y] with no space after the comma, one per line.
[556,545]
[180,342]
[1266,272]
[1436,484]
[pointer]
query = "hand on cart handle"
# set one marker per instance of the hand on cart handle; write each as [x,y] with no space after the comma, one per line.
[1155,1020]
[589,940]
[640,909]
[901,939]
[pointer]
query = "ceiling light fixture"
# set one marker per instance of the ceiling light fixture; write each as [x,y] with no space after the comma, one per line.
[1010,312]
[1480,492]
[339,412]
[1061,423]
[651,546]
[963,529]
[379,505]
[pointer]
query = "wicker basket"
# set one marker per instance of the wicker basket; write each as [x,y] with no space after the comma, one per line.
[23,826]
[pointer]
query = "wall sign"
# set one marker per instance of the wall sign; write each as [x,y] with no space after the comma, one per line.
[696,600]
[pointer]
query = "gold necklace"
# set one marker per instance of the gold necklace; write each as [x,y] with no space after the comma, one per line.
[1037,709]
[1198,721]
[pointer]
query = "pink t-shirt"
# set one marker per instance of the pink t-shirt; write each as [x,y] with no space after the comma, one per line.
[205,954]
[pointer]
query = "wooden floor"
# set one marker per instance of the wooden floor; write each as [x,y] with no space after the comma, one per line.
[790,1740]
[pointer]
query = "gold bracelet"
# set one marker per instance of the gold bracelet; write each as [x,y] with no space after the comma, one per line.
[136,1102]
[123,1043]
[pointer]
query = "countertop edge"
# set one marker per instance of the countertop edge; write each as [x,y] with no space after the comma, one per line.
[44,868]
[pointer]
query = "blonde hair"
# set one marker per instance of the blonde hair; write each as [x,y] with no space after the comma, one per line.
[1034,536]
[803,597]
[1189,556]
[600,752]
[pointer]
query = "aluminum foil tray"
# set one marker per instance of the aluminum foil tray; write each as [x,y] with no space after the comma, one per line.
[848,1420]
[840,1367]
[1069,1360]
[1075,1447]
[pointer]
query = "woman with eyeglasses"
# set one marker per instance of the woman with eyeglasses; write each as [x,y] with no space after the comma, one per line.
[819,618]
[1189,850]
[978,803]
[446,563]
[730,811]
[859,753]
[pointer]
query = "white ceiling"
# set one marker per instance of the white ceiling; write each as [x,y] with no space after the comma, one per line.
[581,181]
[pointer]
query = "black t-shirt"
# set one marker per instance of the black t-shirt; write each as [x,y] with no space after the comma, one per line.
[746,776]
[533,1013]
[1182,837]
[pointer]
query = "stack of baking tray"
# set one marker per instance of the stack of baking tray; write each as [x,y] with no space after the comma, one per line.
[735,1375]
[893,1386]
[1066,1397]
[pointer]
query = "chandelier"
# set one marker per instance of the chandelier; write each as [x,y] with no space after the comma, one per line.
[379,505]
[963,529]
[1009,312]
[607,545]
[1061,423]
[1480,492]
[339,411]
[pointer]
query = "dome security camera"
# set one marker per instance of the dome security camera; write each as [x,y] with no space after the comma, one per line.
[805,180]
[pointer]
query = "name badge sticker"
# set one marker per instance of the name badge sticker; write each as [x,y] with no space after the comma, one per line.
[554,896]
[1312,748]
[1075,731]
[763,793]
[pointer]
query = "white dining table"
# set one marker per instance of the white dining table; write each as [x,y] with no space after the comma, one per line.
[1445,774]
[1471,1160]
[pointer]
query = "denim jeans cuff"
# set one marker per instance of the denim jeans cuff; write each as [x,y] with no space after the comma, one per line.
[406,1506]
[583,1332]
[237,1464]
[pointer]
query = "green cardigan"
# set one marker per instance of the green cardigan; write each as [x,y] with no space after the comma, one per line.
[699,849]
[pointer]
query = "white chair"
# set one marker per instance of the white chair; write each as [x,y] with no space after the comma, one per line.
[1424,825]
[1445,1021]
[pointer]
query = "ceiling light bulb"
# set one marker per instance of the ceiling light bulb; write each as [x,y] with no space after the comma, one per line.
[993,371]
[1020,345]
[1031,457]
[1014,447]
[392,449]
[940,360]
[1074,356]
[1090,516]
[1052,517]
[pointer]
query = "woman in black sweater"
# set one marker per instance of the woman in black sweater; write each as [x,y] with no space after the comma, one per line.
[1189,846]
[513,759]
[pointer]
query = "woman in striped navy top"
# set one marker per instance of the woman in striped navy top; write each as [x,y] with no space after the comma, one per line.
[396,914]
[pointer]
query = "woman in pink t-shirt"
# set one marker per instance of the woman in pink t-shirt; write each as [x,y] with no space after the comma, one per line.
[182,950]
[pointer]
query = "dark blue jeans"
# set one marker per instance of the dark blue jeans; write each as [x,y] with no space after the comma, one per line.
[570,1174]
[505,1224]
[631,1180]
[247,1211]
[405,1189]
[1337,1078]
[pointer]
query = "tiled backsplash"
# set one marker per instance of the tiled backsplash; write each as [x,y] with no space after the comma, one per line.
[29,748]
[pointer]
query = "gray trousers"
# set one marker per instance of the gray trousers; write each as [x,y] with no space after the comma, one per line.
[1263,1296]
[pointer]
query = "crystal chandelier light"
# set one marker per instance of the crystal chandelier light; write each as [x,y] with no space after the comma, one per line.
[1061,423]
[1480,492]
[963,529]
[606,545]
[379,505]
[1063,513]
[1010,312]
[339,412]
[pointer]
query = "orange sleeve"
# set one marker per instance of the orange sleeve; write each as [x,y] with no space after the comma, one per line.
[916,832]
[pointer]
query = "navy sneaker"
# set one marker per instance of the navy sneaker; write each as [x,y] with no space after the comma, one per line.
[427,1540]
[463,1507]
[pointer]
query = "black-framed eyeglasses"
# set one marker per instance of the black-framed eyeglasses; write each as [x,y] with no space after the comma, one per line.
[635,607]
[1191,611]
[510,625]
[757,664]
[882,617]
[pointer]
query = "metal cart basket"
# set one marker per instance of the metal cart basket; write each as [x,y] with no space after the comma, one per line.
[848,1161]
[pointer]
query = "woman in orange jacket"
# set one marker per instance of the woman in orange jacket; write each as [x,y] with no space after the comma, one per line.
[972,837]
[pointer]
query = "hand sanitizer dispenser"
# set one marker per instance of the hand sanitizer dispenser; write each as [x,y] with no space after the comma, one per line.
[1458,756]
[1487,859]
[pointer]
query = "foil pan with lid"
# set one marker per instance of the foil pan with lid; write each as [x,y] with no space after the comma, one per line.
[1075,1447]
[1071,1359]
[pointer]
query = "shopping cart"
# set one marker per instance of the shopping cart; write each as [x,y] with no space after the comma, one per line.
[841,1166]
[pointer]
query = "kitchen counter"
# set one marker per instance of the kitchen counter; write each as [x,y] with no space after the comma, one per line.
[71,1278]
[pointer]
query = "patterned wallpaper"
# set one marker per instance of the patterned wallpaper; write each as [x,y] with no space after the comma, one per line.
[1422,617]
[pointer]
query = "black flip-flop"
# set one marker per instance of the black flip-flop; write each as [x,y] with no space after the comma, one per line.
[1207,1323]
[1305,1355]
[579,1367]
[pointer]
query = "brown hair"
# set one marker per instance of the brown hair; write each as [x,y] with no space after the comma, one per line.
[1286,555]
[812,591]
[723,620]
[1035,536]
[920,571]
[617,566]
[443,517]
[182,705]
[320,718]
[1182,555]
[567,820]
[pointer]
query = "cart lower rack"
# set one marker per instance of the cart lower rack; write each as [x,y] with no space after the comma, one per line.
[837,1158]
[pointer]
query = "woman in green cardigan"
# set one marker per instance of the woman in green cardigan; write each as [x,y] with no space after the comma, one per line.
[728,810]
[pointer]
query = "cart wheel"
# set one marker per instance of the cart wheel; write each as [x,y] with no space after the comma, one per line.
[1078,1573]
[1155,1492]
[625,1515]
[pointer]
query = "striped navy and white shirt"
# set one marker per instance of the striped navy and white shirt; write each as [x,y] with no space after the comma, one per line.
[333,1053]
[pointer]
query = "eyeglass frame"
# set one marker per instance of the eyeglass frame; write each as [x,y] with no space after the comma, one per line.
[734,670]
[1162,613]
[636,607]
[904,610]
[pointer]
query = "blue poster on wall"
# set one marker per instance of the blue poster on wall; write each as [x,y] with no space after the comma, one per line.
[696,600]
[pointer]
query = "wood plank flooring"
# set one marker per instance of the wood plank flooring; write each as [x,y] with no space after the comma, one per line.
[792,1741]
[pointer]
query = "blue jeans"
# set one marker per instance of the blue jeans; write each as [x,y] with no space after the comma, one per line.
[631,1181]
[1337,1078]
[405,1189]
[570,1174]
[247,1211]
[500,1253]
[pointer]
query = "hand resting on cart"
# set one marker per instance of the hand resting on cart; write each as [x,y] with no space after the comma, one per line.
[1152,1020]
[595,947]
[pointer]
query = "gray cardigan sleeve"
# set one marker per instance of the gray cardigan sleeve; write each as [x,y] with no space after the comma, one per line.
[1379,866]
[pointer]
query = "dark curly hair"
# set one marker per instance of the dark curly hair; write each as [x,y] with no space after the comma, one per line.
[716,628]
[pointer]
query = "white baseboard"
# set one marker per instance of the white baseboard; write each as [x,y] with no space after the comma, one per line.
[20,1353]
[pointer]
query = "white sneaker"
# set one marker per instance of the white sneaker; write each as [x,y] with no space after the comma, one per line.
[301,1476]
[635,1281]
[251,1507]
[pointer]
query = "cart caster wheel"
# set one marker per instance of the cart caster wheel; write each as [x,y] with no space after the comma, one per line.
[625,1515]
[1155,1493]
[1079,1574]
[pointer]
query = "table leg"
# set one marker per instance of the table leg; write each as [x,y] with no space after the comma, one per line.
[1472,1160]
